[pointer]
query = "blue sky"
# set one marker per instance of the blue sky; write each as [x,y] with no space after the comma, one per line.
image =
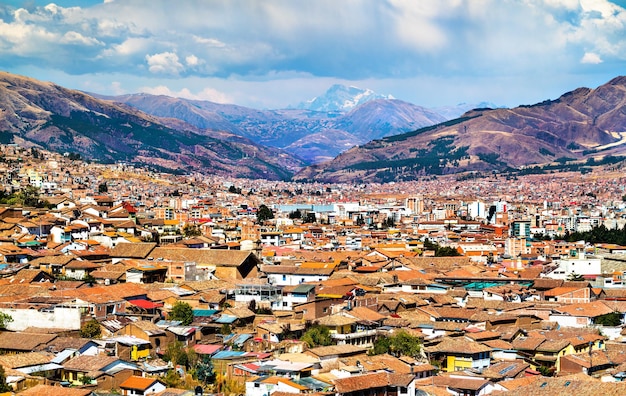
[276,53]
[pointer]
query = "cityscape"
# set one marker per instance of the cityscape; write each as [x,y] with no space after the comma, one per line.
[316,198]
[120,277]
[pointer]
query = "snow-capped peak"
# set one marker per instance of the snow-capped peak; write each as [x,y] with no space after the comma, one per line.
[341,98]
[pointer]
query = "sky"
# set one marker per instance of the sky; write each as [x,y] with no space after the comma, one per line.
[270,54]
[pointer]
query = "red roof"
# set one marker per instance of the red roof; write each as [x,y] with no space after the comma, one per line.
[145,304]
[208,349]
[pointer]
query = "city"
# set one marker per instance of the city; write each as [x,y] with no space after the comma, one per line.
[121,278]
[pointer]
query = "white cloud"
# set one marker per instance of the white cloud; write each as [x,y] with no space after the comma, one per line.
[192,60]
[164,63]
[591,58]
[209,94]
[77,38]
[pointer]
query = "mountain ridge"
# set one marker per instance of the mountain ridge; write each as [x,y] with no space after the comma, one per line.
[580,124]
[46,115]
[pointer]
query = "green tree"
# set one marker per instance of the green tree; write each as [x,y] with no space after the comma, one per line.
[183,312]
[176,353]
[317,335]
[4,387]
[381,346]
[399,344]
[91,329]
[610,319]
[205,372]
[190,230]
[103,188]
[29,196]
[225,329]
[264,213]
[4,320]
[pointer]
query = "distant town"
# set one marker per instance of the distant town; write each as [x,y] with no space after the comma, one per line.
[116,279]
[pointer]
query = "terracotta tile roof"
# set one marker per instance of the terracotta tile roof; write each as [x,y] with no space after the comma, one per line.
[468,383]
[87,363]
[336,350]
[592,309]
[569,386]
[24,341]
[552,345]
[133,250]
[203,257]
[18,360]
[48,390]
[364,313]
[340,319]
[527,343]
[458,345]
[361,382]
[505,369]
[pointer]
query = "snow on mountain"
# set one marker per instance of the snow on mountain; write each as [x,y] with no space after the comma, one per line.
[340,98]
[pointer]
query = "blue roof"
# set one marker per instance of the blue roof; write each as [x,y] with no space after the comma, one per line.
[241,339]
[225,318]
[228,354]
[63,356]
[204,312]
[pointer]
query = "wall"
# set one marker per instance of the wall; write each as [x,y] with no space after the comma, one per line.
[59,318]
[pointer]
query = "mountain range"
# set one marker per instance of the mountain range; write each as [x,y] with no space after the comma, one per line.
[381,139]
[352,116]
[584,124]
[41,114]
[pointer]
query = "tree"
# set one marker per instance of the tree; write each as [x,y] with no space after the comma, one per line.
[183,312]
[4,320]
[574,277]
[225,329]
[103,188]
[190,230]
[91,329]
[399,344]
[310,218]
[204,370]
[177,354]
[610,319]
[316,336]
[4,387]
[296,214]
[264,213]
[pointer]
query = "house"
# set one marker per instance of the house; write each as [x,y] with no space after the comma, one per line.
[378,383]
[291,275]
[579,315]
[80,269]
[261,386]
[147,331]
[140,386]
[458,354]
[127,347]
[106,372]
[227,264]
[328,355]
[138,251]
[32,363]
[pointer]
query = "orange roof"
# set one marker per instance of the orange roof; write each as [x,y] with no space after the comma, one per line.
[138,383]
